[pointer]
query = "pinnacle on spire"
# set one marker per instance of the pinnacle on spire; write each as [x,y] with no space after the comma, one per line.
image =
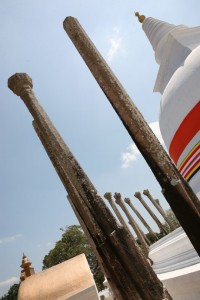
[25,262]
[140,17]
[27,270]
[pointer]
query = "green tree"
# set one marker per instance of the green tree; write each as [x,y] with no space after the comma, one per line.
[73,242]
[12,293]
[173,218]
[170,214]
[161,234]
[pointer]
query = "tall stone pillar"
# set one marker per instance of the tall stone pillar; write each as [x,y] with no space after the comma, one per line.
[130,275]
[177,192]
[140,234]
[108,196]
[152,233]
[160,225]
[159,208]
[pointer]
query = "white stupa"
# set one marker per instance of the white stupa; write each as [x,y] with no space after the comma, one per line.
[177,51]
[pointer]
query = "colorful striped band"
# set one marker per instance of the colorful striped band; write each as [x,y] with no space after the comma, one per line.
[191,163]
[192,173]
[186,131]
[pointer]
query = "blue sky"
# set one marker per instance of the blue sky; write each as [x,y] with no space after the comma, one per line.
[33,201]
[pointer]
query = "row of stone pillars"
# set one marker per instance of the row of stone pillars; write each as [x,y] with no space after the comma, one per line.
[142,238]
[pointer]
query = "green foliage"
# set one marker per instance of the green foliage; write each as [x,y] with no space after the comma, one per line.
[161,234]
[151,238]
[172,218]
[12,293]
[72,243]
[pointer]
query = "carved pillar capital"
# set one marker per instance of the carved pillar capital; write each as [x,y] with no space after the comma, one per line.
[108,196]
[127,200]
[118,198]
[146,193]
[19,83]
[138,195]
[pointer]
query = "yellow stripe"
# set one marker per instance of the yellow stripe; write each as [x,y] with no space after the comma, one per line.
[194,148]
[193,170]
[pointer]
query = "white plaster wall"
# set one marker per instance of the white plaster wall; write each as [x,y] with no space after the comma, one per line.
[183,284]
[177,265]
[87,294]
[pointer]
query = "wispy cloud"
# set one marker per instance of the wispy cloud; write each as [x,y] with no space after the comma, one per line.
[47,244]
[156,130]
[132,153]
[116,29]
[129,155]
[115,44]
[9,281]
[10,239]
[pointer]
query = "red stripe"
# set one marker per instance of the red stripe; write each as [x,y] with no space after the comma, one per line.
[189,157]
[186,131]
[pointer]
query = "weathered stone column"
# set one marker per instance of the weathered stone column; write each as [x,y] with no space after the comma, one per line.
[108,196]
[177,192]
[152,233]
[129,273]
[160,225]
[156,203]
[140,234]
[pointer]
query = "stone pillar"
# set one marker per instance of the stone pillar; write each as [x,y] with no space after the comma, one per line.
[78,205]
[160,225]
[156,203]
[129,273]
[186,207]
[152,233]
[108,196]
[140,234]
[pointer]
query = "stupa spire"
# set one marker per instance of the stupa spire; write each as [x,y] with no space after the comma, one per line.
[172,45]
[140,17]
[158,32]
[25,262]
[27,270]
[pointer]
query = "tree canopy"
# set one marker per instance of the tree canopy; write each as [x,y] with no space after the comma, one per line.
[172,218]
[12,293]
[73,242]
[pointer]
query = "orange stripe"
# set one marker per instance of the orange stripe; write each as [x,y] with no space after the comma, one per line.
[186,131]
[188,157]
